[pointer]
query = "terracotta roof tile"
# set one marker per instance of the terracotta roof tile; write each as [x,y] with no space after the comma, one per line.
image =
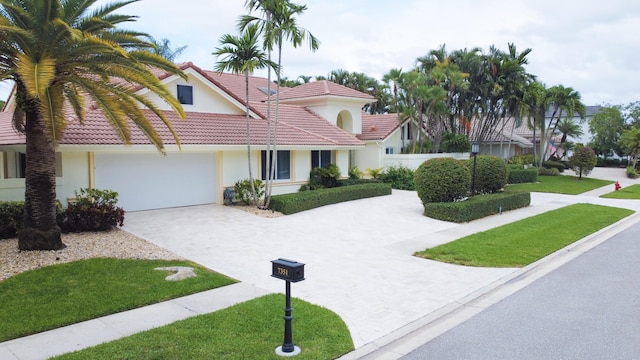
[378,127]
[321,88]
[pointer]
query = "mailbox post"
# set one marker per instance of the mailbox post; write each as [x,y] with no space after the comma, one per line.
[290,271]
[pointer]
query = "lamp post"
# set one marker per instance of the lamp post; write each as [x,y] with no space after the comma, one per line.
[475,149]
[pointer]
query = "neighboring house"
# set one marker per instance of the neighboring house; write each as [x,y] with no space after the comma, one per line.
[317,124]
[507,141]
[383,135]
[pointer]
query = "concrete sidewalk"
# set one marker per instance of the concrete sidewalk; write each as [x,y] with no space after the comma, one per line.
[358,258]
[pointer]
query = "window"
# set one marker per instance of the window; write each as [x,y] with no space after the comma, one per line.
[15,164]
[320,158]
[388,151]
[283,165]
[185,94]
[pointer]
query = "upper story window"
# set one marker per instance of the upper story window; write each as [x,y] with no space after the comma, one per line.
[185,94]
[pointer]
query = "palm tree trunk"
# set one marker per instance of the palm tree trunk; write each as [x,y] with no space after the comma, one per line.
[40,231]
[274,160]
[246,94]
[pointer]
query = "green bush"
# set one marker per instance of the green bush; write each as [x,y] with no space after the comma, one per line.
[243,190]
[11,214]
[553,164]
[355,173]
[93,210]
[523,176]
[477,207]
[306,200]
[543,171]
[321,178]
[442,180]
[452,143]
[400,177]
[524,159]
[631,172]
[491,174]
[350,182]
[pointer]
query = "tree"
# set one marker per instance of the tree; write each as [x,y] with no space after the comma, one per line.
[164,49]
[606,127]
[567,128]
[242,55]
[630,139]
[563,100]
[61,55]
[583,161]
[278,25]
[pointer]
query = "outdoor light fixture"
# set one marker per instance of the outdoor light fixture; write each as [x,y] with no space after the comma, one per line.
[475,149]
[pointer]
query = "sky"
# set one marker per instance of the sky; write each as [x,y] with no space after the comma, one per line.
[590,45]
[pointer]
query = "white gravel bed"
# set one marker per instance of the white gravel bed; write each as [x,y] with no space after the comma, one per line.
[114,244]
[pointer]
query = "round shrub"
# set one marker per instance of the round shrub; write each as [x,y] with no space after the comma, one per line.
[442,180]
[491,174]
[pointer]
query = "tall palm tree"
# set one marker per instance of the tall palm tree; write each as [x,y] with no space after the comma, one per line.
[163,48]
[279,25]
[243,55]
[564,101]
[61,54]
[567,127]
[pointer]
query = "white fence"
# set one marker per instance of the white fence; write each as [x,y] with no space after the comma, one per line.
[412,161]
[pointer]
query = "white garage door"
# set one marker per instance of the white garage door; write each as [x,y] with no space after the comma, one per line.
[154,181]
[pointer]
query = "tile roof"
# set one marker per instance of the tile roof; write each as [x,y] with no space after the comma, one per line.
[378,127]
[321,88]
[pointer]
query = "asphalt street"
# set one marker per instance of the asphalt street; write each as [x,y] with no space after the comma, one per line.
[587,309]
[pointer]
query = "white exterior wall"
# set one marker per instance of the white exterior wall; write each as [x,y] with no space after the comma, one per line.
[75,175]
[331,111]
[301,166]
[413,161]
[371,157]
[342,161]
[205,98]
[235,167]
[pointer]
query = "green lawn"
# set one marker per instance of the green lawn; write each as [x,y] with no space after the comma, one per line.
[627,192]
[561,185]
[59,295]
[526,241]
[250,330]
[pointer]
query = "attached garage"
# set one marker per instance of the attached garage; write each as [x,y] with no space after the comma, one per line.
[153,181]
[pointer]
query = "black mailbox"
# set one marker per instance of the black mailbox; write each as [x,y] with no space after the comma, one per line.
[287,270]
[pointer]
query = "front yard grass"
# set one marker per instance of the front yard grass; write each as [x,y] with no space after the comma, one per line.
[628,192]
[563,184]
[59,295]
[250,330]
[523,242]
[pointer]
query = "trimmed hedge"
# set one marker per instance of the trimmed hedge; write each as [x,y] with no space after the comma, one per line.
[491,174]
[477,207]
[307,200]
[523,176]
[553,164]
[442,180]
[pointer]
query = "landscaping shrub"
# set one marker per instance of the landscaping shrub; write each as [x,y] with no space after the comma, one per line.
[477,207]
[243,190]
[11,214]
[452,143]
[306,200]
[93,210]
[631,172]
[553,164]
[524,159]
[583,161]
[321,178]
[543,171]
[491,174]
[442,180]
[400,177]
[523,176]
[355,173]
[350,182]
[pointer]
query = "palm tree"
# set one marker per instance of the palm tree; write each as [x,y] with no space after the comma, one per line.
[280,25]
[242,55]
[163,48]
[60,54]
[567,127]
[564,101]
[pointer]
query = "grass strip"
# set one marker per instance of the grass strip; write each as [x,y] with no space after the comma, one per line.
[523,242]
[59,295]
[631,192]
[250,330]
[563,184]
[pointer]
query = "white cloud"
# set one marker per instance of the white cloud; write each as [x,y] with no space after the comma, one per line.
[590,45]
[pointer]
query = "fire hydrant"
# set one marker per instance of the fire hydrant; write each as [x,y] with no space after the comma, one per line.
[617,185]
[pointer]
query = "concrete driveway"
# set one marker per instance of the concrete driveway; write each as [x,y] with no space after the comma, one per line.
[358,254]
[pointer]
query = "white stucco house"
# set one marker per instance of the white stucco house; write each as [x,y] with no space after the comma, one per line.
[318,123]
